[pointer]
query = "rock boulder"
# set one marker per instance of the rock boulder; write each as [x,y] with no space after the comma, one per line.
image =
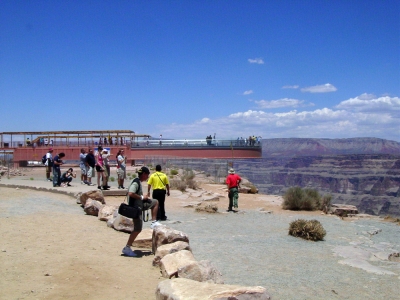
[170,263]
[92,207]
[202,271]
[165,235]
[186,289]
[168,249]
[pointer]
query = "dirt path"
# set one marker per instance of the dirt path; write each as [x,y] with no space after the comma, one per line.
[51,250]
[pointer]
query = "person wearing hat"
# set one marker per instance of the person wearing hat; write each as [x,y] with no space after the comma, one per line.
[232,181]
[49,163]
[136,198]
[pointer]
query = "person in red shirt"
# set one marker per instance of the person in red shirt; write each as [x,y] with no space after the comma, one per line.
[232,181]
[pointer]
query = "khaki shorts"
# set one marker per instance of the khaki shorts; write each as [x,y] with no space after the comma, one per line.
[121,173]
[138,223]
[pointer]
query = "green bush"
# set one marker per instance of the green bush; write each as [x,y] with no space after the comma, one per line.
[307,229]
[296,198]
[188,175]
[174,172]
[325,203]
[293,198]
[112,179]
[128,174]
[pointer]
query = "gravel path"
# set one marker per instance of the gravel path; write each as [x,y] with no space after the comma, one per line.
[254,248]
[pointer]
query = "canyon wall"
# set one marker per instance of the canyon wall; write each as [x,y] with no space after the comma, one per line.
[370,182]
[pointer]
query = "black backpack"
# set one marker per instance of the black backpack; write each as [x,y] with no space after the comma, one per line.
[44,159]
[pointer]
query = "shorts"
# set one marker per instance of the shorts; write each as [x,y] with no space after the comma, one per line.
[99,169]
[138,223]
[83,170]
[90,172]
[121,173]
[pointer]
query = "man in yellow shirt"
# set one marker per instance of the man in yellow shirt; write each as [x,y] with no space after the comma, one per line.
[160,184]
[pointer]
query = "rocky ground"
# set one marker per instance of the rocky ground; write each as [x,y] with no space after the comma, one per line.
[51,250]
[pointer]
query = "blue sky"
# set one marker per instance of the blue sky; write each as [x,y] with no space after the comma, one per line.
[187,69]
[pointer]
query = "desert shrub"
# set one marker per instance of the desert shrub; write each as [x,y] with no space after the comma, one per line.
[176,184]
[297,199]
[311,199]
[209,208]
[31,178]
[174,172]
[392,219]
[128,174]
[292,198]
[307,229]
[188,175]
[325,203]
[112,179]
[191,184]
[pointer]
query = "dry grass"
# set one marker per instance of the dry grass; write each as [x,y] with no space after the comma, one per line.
[307,229]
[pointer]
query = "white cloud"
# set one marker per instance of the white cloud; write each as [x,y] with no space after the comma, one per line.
[323,88]
[365,103]
[205,120]
[290,87]
[247,92]
[259,61]
[351,118]
[366,96]
[285,102]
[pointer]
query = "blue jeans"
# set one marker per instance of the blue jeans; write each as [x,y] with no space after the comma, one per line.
[56,176]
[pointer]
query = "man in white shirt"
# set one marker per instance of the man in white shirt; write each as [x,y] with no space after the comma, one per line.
[49,164]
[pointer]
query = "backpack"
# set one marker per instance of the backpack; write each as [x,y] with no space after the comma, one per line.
[44,159]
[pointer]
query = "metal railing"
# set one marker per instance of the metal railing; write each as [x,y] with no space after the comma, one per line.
[195,143]
[214,168]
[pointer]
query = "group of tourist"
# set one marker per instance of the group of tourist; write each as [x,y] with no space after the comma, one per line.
[100,162]
[110,141]
[158,182]
[53,164]
[88,163]
[40,142]
[250,141]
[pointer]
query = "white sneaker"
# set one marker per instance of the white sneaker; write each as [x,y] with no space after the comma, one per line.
[154,224]
[128,252]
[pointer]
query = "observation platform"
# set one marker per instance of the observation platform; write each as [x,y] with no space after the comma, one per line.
[27,148]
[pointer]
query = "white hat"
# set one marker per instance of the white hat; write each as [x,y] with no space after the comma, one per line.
[231,171]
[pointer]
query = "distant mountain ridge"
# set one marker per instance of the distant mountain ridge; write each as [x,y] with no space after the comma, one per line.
[290,147]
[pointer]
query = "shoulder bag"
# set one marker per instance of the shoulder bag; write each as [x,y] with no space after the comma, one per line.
[129,211]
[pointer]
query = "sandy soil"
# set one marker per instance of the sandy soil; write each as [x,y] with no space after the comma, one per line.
[61,253]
